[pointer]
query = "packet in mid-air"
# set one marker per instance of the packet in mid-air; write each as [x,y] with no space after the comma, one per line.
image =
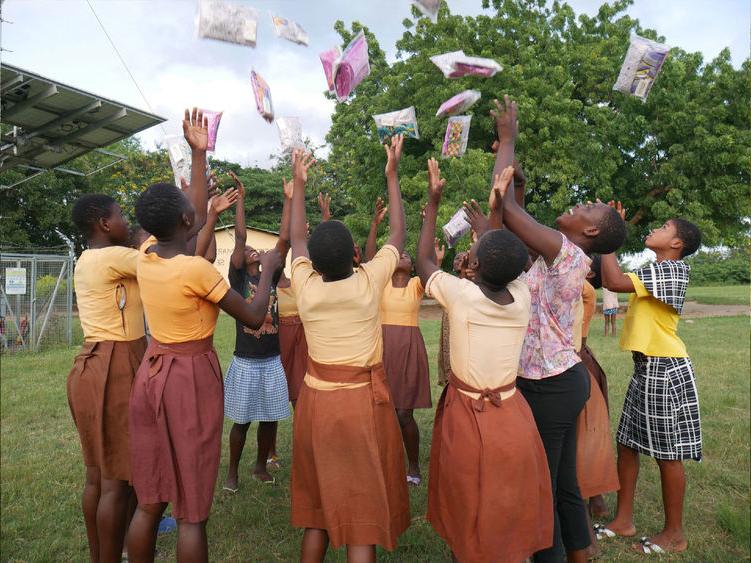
[643,62]
[227,21]
[402,121]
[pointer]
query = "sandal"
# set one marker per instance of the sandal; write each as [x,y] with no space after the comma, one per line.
[603,533]
[414,480]
[646,547]
[273,462]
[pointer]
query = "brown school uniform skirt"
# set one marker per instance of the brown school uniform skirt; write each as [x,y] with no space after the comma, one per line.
[176,413]
[595,456]
[406,363]
[294,352]
[98,391]
[593,367]
[348,474]
[489,493]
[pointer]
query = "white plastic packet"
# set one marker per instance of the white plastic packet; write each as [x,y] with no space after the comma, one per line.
[290,133]
[643,62]
[393,123]
[428,7]
[289,30]
[226,21]
[456,64]
[262,94]
[459,103]
[457,136]
[180,157]
[456,228]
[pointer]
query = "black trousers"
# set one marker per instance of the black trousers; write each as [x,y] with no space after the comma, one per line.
[556,403]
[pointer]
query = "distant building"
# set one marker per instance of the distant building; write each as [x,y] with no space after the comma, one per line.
[260,239]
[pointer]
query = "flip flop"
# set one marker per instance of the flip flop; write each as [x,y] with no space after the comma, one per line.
[271,482]
[603,533]
[646,547]
[230,490]
[414,480]
[273,462]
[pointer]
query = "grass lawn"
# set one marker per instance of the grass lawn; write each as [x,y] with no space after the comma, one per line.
[42,473]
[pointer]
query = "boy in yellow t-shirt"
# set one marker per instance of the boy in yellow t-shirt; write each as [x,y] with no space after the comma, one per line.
[661,412]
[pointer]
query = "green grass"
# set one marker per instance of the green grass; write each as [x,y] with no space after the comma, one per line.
[42,474]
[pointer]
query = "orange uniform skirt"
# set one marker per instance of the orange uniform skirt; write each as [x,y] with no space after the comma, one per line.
[176,414]
[406,363]
[596,468]
[489,493]
[99,387]
[348,474]
[294,353]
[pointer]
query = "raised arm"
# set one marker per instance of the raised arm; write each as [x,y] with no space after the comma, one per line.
[324,204]
[613,277]
[253,314]
[217,204]
[520,184]
[426,259]
[378,215]
[282,244]
[495,200]
[397,225]
[195,129]
[301,161]
[237,260]
[544,240]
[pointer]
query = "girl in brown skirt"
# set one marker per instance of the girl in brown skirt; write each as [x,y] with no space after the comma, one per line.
[176,406]
[489,493]
[348,479]
[99,383]
[294,347]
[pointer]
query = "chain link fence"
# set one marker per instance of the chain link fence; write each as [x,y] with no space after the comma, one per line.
[36,301]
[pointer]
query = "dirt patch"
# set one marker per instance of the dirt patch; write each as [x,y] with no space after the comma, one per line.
[430,310]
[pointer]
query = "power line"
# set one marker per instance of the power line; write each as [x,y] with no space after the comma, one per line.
[122,60]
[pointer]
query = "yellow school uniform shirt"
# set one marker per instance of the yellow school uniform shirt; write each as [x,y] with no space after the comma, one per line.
[342,318]
[401,305]
[285,299]
[179,295]
[651,326]
[486,338]
[589,304]
[105,281]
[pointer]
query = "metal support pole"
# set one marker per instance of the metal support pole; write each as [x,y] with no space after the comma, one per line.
[33,304]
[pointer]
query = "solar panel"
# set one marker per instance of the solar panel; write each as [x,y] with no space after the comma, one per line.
[52,123]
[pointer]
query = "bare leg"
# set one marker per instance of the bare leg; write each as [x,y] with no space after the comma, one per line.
[577,556]
[361,554]
[142,532]
[90,503]
[266,437]
[112,519]
[673,480]
[192,544]
[411,437]
[314,546]
[236,444]
[628,472]
[612,325]
[594,549]
[597,507]
[607,324]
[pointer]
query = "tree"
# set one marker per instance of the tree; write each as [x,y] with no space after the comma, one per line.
[685,152]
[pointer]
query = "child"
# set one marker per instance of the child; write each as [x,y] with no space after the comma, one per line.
[255,387]
[609,309]
[99,384]
[405,359]
[661,412]
[489,494]
[551,375]
[348,480]
[175,417]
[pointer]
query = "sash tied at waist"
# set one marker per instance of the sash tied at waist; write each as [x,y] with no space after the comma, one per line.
[333,373]
[492,395]
[290,320]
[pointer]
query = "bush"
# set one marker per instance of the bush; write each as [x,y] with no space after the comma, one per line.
[45,287]
[717,268]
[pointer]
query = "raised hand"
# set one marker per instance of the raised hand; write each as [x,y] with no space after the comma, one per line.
[270,260]
[301,162]
[288,187]
[196,129]
[476,218]
[379,213]
[500,185]
[184,185]
[324,204]
[238,184]
[506,120]
[223,201]
[394,154]
[435,182]
[440,251]
[618,206]
[213,185]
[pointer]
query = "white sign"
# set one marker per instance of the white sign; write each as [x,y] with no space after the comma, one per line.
[15,281]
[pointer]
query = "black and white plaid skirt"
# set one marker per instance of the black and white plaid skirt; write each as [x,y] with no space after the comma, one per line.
[661,412]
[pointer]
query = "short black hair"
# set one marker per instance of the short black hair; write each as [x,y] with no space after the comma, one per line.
[596,268]
[89,209]
[612,233]
[159,208]
[690,234]
[331,248]
[502,257]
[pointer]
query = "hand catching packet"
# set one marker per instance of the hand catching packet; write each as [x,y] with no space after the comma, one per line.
[459,103]
[289,30]
[457,136]
[402,121]
[643,62]
[290,133]
[229,22]
[180,157]
[456,228]
[262,94]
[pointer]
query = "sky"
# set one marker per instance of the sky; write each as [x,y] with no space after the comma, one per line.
[62,40]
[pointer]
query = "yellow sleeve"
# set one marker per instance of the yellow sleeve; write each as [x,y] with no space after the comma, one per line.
[416,288]
[147,243]
[302,270]
[203,280]
[123,261]
[380,269]
[589,299]
[639,288]
[443,287]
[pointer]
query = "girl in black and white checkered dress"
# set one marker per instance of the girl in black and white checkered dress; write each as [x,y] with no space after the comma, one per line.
[661,411]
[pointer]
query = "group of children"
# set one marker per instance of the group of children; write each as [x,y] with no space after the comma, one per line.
[521,433]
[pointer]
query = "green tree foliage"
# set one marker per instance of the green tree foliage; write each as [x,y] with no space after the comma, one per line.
[716,268]
[685,152]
